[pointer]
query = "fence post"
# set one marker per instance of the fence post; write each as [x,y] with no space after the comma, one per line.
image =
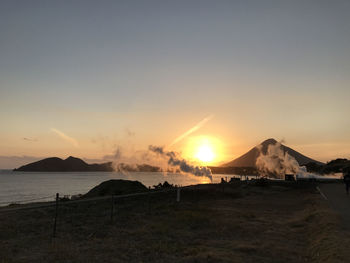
[56,213]
[149,200]
[112,208]
[178,194]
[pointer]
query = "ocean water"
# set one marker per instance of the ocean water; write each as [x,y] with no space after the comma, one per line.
[24,187]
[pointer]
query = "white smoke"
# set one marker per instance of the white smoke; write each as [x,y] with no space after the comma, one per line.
[276,162]
[126,159]
[175,160]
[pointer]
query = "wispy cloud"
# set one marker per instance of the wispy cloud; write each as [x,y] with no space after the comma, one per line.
[30,139]
[65,137]
[193,129]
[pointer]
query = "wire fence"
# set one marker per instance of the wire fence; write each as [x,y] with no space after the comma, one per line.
[113,205]
[28,200]
[64,201]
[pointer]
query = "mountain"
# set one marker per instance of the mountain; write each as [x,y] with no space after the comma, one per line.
[249,159]
[71,164]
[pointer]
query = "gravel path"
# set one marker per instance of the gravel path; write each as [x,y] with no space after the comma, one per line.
[338,200]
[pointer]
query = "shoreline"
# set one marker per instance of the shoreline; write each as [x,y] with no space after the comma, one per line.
[68,196]
[224,222]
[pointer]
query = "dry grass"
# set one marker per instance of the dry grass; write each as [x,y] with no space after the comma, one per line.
[329,242]
[276,223]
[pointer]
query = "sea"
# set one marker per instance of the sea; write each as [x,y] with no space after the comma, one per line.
[26,187]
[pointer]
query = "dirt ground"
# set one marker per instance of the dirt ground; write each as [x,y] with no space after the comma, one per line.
[269,222]
[338,200]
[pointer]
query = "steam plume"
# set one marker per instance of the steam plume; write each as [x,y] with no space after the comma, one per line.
[173,159]
[276,162]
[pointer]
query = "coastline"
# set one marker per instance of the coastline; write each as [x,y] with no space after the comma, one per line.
[211,221]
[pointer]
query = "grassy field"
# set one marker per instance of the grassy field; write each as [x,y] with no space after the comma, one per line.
[277,222]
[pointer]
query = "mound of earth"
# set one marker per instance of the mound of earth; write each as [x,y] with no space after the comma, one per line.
[116,187]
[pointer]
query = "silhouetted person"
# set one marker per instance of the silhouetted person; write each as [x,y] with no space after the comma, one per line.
[347,181]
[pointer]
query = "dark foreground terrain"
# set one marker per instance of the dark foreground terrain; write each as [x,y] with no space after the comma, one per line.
[279,222]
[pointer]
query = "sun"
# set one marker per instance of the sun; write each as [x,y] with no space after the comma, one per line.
[203,150]
[205,153]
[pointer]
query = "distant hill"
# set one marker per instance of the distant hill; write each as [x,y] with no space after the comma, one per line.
[249,159]
[71,164]
[335,166]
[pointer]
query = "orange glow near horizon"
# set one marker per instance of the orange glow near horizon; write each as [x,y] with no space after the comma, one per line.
[205,153]
[205,150]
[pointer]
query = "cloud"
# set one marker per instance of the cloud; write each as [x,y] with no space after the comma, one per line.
[65,137]
[129,132]
[30,139]
[193,129]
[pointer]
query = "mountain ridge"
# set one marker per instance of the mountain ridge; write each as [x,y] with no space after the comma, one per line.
[70,164]
[249,158]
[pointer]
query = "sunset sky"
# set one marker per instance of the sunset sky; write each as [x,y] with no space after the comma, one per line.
[86,78]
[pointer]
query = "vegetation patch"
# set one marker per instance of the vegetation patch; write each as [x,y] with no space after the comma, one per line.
[238,223]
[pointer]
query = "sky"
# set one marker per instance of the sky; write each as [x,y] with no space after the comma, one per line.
[86,78]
